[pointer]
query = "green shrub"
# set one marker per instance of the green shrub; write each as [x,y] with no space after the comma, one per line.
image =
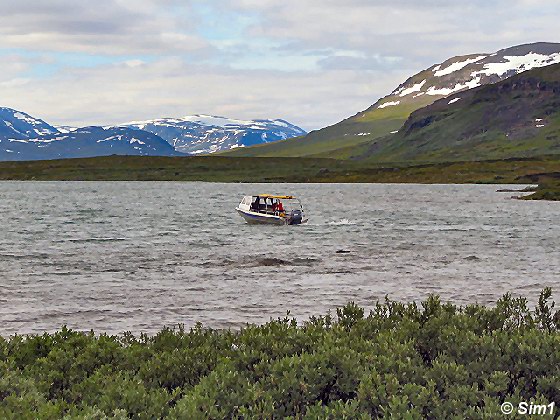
[404,361]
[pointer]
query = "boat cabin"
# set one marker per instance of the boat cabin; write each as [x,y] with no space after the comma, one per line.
[265,204]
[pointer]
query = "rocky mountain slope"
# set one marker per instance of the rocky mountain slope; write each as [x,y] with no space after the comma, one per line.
[201,134]
[517,117]
[19,125]
[387,115]
[23,137]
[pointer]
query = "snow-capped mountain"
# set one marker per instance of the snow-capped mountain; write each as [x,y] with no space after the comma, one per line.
[388,114]
[23,137]
[199,134]
[19,125]
[469,71]
[516,118]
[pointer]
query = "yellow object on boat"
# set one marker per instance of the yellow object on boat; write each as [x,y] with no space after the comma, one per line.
[285,197]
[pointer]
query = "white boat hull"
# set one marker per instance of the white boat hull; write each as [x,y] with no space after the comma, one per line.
[260,218]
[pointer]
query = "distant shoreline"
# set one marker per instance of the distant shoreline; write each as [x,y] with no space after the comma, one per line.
[283,170]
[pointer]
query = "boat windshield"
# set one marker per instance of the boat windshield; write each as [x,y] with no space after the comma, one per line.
[276,205]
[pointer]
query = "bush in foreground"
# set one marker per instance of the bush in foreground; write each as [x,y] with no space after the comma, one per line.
[435,360]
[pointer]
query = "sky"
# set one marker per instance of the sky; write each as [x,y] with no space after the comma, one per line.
[312,62]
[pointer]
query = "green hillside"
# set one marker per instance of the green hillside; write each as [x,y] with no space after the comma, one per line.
[340,140]
[362,128]
[359,129]
[456,74]
[518,117]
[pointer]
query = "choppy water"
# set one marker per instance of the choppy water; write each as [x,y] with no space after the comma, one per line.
[118,256]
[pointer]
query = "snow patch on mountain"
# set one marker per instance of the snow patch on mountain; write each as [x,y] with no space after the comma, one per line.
[42,129]
[457,66]
[518,64]
[415,88]
[66,128]
[386,104]
[433,90]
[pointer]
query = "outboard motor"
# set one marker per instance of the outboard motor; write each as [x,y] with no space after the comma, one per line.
[295,217]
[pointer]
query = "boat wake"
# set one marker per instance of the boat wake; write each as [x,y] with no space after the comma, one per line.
[341,222]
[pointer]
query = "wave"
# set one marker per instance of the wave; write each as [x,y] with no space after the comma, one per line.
[262,261]
[97,239]
[341,222]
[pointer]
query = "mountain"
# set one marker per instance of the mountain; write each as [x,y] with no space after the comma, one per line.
[515,118]
[19,125]
[388,114]
[65,128]
[42,142]
[200,134]
[23,137]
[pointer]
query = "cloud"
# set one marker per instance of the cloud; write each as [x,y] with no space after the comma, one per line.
[103,27]
[311,62]
[12,66]
[15,68]
[352,62]
[422,31]
[171,87]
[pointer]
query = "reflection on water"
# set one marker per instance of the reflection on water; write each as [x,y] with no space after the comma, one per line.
[120,256]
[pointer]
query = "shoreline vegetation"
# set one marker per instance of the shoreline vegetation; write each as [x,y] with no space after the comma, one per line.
[433,360]
[280,169]
[544,170]
[547,190]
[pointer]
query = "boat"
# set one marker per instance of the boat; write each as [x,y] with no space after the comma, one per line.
[271,209]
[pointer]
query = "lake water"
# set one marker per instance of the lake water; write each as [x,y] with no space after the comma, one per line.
[131,256]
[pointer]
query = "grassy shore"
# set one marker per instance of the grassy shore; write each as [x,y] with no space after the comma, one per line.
[236,169]
[548,189]
[435,360]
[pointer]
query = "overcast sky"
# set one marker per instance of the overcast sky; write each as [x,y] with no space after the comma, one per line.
[311,62]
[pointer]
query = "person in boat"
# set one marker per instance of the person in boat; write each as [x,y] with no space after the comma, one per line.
[277,207]
[255,205]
